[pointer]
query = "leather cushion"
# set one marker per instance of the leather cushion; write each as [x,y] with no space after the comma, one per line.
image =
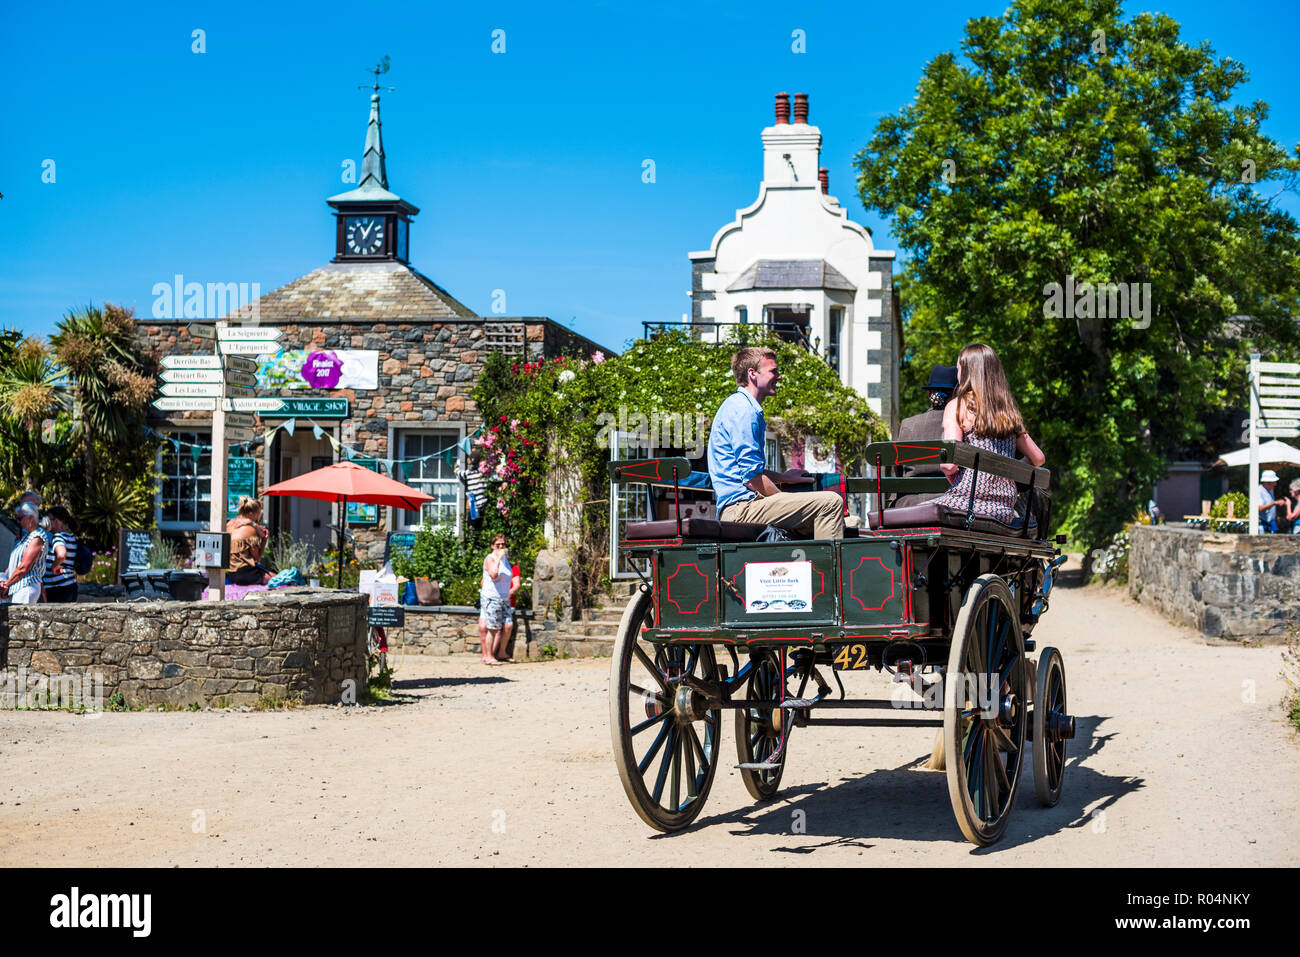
[703,528]
[916,516]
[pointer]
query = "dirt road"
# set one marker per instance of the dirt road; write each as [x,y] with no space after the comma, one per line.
[1182,757]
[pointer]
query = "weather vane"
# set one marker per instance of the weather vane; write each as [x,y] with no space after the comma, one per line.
[378,70]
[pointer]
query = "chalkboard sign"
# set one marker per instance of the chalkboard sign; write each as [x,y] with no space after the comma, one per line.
[387,616]
[399,543]
[134,551]
[241,479]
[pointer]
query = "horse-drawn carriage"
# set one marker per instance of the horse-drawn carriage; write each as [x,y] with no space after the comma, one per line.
[943,598]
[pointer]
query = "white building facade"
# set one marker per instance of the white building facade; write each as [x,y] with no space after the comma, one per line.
[795,261]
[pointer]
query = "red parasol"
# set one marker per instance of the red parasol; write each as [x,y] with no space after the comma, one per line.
[345,482]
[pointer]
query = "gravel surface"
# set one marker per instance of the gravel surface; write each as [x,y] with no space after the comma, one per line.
[1182,758]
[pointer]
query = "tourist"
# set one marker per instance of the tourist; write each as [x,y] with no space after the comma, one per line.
[507,629]
[1292,506]
[1265,504]
[984,414]
[21,584]
[60,573]
[927,425]
[247,545]
[743,487]
[494,592]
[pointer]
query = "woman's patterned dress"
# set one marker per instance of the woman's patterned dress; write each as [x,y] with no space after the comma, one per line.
[995,496]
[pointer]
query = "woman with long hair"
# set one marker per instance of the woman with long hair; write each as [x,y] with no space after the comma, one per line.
[983,413]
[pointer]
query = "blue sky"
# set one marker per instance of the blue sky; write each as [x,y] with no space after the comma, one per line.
[526,165]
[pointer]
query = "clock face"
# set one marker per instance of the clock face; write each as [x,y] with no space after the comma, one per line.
[365,235]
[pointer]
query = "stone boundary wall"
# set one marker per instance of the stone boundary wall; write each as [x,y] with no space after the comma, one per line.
[452,629]
[303,642]
[1229,586]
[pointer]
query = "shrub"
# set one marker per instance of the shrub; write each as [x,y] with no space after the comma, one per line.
[1110,564]
[1240,506]
[461,591]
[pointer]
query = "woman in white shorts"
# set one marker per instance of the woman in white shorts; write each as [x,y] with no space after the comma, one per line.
[494,598]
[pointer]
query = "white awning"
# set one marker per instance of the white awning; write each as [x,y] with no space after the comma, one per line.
[1271,453]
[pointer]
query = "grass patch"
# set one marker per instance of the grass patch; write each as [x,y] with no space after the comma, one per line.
[274,701]
[379,687]
[1291,675]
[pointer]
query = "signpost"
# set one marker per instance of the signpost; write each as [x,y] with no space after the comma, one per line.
[191,362]
[212,389]
[240,347]
[185,405]
[249,334]
[191,375]
[200,331]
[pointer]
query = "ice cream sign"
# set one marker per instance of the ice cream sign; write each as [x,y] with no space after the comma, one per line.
[778,587]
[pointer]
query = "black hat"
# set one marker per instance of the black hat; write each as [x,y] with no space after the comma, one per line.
[943,377]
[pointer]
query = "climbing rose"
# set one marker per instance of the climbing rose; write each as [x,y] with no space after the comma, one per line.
[566,375]
[598,357]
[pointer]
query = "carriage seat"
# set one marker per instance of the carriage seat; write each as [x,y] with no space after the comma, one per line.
[931,513]
[703,529]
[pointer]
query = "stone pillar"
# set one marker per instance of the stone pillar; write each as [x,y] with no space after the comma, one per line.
[553,598]
[563,524]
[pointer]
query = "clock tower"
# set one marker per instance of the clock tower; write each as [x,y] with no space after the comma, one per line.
[372,223]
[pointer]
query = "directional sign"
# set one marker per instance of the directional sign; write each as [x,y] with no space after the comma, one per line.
[191,375]
[237,348]
[1277,433]
[202,332]
[185,405]
[249,334]
[241,379]
[261,404]
[238,435]
[239,392]
[1272,403]
[191,388]
[1290,368]
[238,420]
[191,362]
[239,364]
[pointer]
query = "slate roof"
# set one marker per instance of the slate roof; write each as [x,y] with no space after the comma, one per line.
[378,290]
[791,274]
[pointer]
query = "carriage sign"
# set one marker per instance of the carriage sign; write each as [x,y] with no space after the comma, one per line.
[778,587]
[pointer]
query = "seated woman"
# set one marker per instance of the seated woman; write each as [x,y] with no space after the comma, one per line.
[247,544]
[984,414]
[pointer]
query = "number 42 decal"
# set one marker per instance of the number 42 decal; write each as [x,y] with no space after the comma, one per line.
[850,657]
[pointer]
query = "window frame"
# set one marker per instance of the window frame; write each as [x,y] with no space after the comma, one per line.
[396,434]
[201,521]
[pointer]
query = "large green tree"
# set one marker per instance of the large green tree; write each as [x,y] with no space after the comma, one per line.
[1069,145]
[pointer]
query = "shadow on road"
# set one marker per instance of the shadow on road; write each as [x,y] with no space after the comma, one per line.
[911,803]
[414,684]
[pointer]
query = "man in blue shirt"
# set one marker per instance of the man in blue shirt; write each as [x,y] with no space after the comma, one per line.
[745,491]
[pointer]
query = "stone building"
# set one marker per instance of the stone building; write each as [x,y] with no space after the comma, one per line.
[794,260]
[376,363]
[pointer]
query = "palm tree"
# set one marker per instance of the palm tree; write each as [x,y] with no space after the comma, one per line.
[110,388]
[33,391]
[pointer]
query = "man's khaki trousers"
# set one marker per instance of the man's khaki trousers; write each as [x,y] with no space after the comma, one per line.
[824,511]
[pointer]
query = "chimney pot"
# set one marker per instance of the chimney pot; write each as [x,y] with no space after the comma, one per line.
[782,108]
[801,107]
[824,177]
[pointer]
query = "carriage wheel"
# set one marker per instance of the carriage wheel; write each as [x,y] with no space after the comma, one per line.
[984,714]
[758,730]
[664,734]
[1052,726]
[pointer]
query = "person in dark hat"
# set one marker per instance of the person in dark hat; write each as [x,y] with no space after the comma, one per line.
[927,425]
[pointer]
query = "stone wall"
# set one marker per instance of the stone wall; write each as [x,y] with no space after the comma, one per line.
[303,642]
[1231,586]
[449,630]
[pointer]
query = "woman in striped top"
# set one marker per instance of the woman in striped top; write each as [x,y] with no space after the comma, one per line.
[21,583]
[60,578]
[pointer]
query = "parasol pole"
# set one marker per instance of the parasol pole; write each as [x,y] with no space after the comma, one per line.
[343,523]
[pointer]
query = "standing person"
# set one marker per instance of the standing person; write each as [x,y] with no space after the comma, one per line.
[1265,503]
[984,414]
[927,425]
[247,544]
[494,591]
[1292,506]
[507,629]
[22,581]
[60,574]
[745,490]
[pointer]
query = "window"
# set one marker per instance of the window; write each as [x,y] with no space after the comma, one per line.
[772,455]
[183,501]
[742,314]
[433,476]
[834,329]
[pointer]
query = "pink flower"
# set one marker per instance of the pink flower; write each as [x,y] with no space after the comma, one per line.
[514,423]
[483,468]
[598,357]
